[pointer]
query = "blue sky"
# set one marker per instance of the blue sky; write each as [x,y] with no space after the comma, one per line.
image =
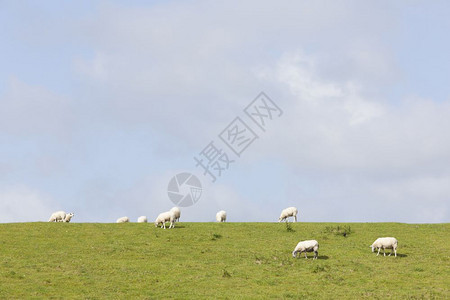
[102,102]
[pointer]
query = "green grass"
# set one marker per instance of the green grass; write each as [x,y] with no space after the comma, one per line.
[221,260]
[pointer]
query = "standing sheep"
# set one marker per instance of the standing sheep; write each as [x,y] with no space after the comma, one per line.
[123,220]
[57,216]
[385,243]
[288,212]
[164,217]
[221,216]
[306,246]
[142,219]
[177,213]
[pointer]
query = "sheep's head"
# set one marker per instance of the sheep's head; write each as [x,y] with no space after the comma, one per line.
[373,248]
[294,254]
[156,223]
[68,217]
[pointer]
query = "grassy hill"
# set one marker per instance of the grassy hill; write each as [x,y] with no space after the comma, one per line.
[227,260]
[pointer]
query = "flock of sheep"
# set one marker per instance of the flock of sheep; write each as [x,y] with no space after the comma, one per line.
[174,214]
[313,245]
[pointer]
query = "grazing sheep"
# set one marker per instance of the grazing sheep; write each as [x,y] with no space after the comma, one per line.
[123,220]
[221,216]
[142,219]
[177,213]
[306,246]
[57,216]
[288,212]
[68,217]
[385,243]
[164,217]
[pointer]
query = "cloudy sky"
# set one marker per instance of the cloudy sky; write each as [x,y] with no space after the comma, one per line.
[103,102]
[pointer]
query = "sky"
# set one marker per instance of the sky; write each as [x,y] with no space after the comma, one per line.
[102,103]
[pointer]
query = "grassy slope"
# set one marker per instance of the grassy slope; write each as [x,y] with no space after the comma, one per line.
[228,260]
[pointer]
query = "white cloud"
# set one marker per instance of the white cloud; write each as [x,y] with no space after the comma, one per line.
[27,110]
[363,152]
[96,69]
[23,204]
[342,125]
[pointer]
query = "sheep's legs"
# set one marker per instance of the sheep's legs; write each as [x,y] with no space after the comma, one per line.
[295,218]
[384,252]
[306,256]
[378,251]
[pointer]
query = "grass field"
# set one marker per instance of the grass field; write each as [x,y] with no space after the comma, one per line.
[226,260]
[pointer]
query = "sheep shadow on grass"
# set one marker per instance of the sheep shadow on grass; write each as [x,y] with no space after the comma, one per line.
[178,227]
[324,257]
[398,255]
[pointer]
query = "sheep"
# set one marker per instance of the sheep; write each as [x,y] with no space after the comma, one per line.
[165,217]
[123,220]
[385,243]
[221,216]
[57,216]
[142,219]
[306,246]
[288,212]
[176,211]
[68,217]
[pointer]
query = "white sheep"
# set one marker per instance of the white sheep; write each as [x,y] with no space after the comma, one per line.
[68,217]
[385,243]
[57,216]
[142,219]
[288,212]
[221,216]
[176,211]
[306,246]
[123,220]
[164,217]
